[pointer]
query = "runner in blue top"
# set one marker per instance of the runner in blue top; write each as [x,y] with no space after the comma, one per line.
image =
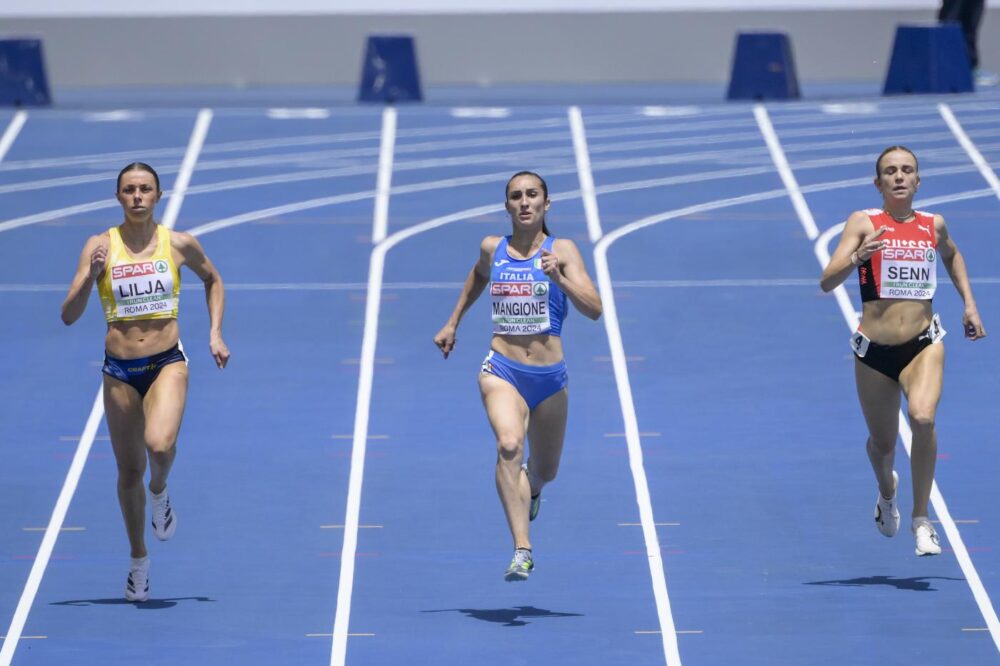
[523,380]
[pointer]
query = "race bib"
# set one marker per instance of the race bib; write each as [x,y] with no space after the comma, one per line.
[520,308]
[909,270]
[142,288]
[859,343]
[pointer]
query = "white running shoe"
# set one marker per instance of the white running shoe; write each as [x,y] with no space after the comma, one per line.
[886,511]
[164,518]
[520,567]
[137,584]
[927,538]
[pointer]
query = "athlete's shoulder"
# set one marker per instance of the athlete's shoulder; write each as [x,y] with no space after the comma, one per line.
[102,238]
[490,243]
[559,241]
[863,218]
[181,240]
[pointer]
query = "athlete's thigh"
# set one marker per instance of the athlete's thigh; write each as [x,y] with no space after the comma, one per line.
[505,408]
[922,379]
[547,428]
[164,403]
[880,399]
[123,411]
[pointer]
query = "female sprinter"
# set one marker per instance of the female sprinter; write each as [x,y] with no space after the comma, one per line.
[136,268]
[523,378]
[895,251]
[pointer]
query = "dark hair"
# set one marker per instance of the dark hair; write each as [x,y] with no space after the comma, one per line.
[138,166]
[878,162]
[545,191]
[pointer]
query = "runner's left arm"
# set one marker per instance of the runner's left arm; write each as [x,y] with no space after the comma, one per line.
[215,294]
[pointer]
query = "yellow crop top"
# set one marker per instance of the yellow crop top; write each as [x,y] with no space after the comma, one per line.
[133,289]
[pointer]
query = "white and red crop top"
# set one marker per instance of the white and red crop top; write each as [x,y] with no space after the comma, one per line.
[906,267]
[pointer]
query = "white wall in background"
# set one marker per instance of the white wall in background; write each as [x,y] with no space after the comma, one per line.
[67,8]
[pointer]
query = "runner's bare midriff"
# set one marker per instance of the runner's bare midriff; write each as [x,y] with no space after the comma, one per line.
[529,349]
[138,339]
[893,321]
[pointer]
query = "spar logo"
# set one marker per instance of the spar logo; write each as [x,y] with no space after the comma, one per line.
[161,266]
[541,288]
[512,288]
[123,271]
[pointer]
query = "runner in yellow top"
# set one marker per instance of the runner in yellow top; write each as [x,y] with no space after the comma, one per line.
[135,266]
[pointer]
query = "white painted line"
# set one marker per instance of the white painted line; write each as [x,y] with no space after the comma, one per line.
[275,211]
[122,115]
[340,527]
[52,532]
[480,112]
[860,108]
[59,213]
[620,364]
[384,178]
[970,148]
[586,176]
[785,171]
[640,524]
[376,266]
[63,529]
[87,438]
[48,183]
[298,114]
[187,168]
[10,134]
[852,320]
[670,111]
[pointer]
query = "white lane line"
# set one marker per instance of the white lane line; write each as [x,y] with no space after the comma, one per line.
[586,177]
[62,213]
[180,187]
[384,178]
[480,112]
[90,430]
[376,267]
[785,171]
[307,113]
[670,111]
[41,561]
[937,499]
[970,148]
[633,440]
[122,115]
[10,134]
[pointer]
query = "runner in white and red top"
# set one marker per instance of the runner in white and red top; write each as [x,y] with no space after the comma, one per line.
[895,251]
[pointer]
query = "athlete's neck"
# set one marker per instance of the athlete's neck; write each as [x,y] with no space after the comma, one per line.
[900,215]
[526,244]
[137,234]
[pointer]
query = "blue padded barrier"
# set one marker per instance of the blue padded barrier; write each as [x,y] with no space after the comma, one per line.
[929,59]
[22,73]
[389,73]
[763,67]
